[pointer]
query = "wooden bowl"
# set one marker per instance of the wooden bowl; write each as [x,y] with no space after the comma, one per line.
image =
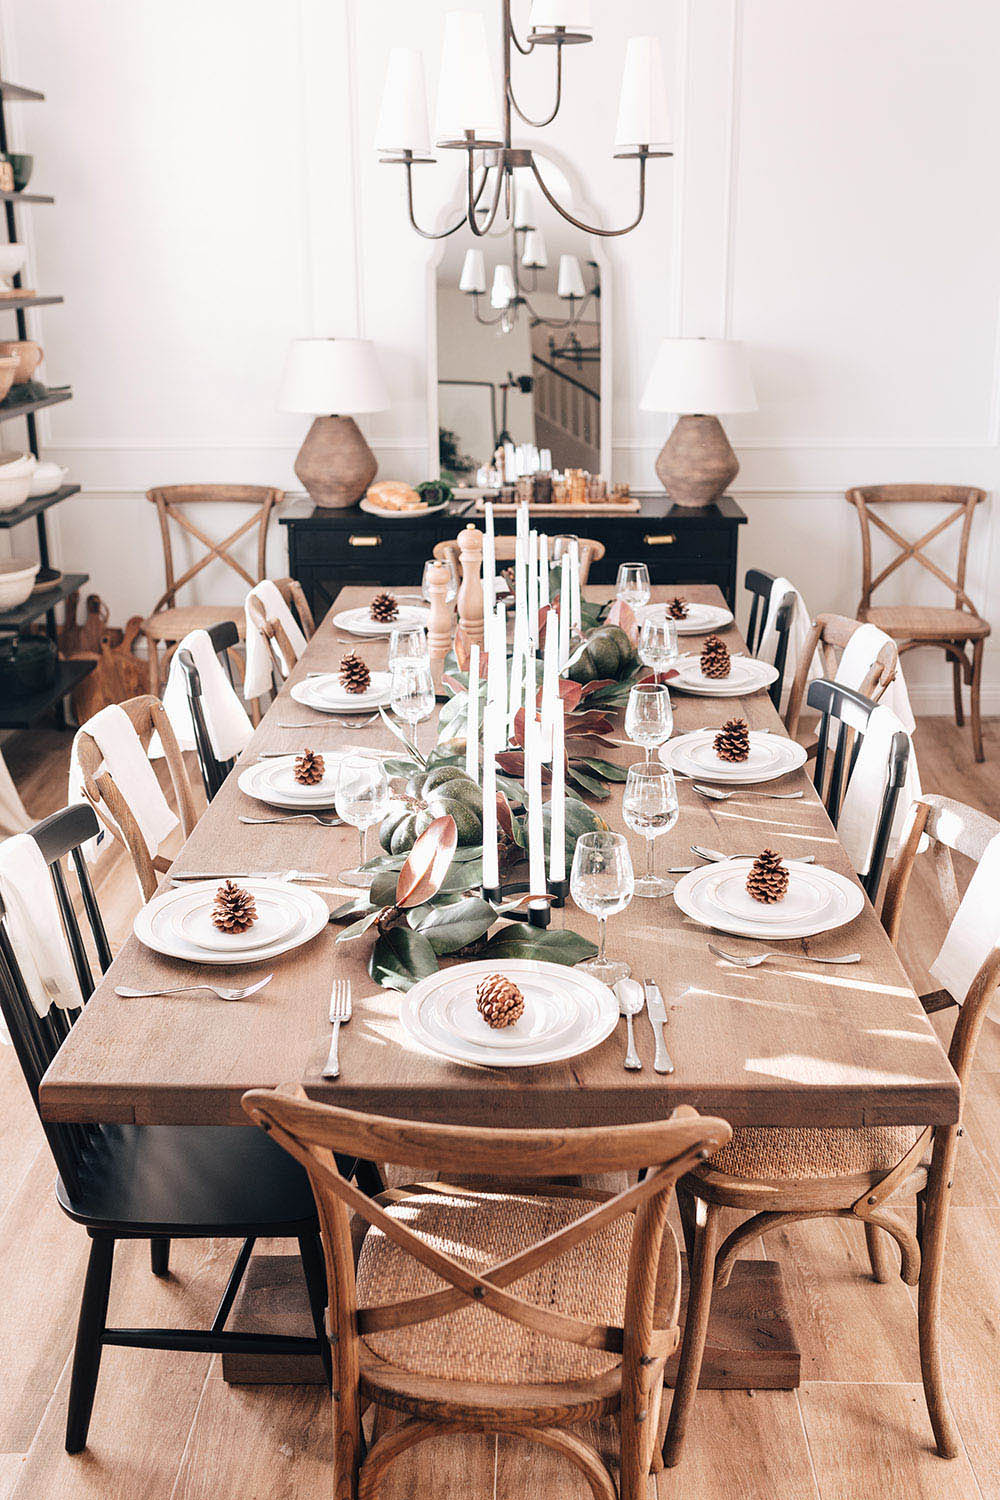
[29,356]
[8,369]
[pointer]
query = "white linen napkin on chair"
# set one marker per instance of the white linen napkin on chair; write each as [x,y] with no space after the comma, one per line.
[857,661]
[258,666]
[35,928]
[974,930]
[226,720]
[129,767]
[798,634]
[863,799]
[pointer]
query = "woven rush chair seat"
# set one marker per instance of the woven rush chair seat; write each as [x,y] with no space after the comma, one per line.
[776,1155]
[479,1228]
[925,622]
[174,624]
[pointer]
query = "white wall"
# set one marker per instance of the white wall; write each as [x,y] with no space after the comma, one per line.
[831,203]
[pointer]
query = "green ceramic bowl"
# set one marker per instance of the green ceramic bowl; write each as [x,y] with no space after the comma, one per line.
[22,166]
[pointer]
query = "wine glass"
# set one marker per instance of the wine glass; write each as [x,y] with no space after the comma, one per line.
[601,882]
[452,592]
[362,798]
[633,584]
[649,717]
[649,807]
[658,644]
[412,691]
[408,645]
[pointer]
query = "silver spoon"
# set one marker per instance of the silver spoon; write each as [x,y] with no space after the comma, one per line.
[751,960]
[713,855]
[631,999]
[295,817]
[187,989]
[717,795]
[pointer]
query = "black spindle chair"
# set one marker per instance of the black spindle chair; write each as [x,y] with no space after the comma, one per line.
[844,719]
[223,636]
[759,585]
[151,1182]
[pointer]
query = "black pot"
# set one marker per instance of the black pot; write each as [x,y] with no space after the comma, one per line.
[27,665]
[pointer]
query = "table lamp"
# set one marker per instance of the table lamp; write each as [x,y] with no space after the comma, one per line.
[327,377]
[698,378]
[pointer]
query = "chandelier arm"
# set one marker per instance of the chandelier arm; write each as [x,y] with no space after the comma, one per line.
[525,48]
[537,318]
[538,124]
[593,228]
[486,322]
[427,234]
[473,200]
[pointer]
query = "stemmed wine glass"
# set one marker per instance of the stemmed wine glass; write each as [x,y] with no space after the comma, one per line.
[658,644]
[408,645]
[649,807]
[601,882]
[633,584]
[412,691]
[362,798]
[649,717]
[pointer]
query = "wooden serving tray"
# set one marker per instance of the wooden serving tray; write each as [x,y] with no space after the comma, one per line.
[584,508]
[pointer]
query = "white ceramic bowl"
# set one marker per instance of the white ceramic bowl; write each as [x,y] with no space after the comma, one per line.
[47,478]
[17,578]
[12,258]
[17,463]
[14,490]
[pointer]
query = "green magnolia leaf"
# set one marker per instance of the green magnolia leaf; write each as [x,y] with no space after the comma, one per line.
[605,768]
[357,928]
[467,876]
[455,924]
[356,907]
[400,957]
[401,735]
[591,784]
[383,888]
[400,767]
[521,940]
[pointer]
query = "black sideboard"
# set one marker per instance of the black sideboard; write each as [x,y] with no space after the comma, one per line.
[328,549]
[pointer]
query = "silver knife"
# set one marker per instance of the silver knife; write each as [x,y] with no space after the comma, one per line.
[657,1012]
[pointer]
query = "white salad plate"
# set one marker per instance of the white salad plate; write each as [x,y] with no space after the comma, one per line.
[327,695]
[818,900]
[566,1013]
[178,923]
[359,621]
[771,756]
[274,782]
[746,675]
[700,619]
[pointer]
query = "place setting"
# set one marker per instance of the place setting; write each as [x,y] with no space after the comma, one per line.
[768,897]
[718,673]
[733,753]
[229,921]
[382,616]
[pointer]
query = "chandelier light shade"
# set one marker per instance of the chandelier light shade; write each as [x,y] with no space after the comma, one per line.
[328,378]
[402,123]
[698,378]
[550,17]
[473,277]
[503,290]
[534,255]
[570,282]
[643,119]
[467,107]
[525,213]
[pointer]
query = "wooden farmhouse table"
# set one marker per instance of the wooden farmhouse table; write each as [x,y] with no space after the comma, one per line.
[789,1043]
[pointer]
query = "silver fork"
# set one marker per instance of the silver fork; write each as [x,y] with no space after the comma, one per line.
[713,855]
[751,960]
[295,818]
[719,796]
[337,723]
[340,1011]
[186,989]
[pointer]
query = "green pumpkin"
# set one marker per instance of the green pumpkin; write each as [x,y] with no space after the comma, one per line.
[432,794]
[607,652]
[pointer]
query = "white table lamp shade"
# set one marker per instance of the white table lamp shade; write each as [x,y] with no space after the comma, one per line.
[503,289]
[332,376]
[402,121]
[643,118]
[572,15]
[700,376]
[570,278]
[473,277]
[534,254]
[467,93]
[525,216]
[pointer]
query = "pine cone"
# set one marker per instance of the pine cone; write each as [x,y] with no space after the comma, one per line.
[732,743]
[384,608]
[499,1001]
[234,909]
[715,658]
[768,878]
[677,609]
[354,675]
[509,577]
[309,768]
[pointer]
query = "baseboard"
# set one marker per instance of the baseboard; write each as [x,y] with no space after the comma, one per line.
[938,700]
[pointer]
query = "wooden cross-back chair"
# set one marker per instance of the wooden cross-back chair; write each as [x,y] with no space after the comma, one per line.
[597,1276]
[274,632]
[148,717]
[829,635]
[591,551]
[759,585]
[168,622]
[960,631]
[213,771]
[150,1182]
[868,1175]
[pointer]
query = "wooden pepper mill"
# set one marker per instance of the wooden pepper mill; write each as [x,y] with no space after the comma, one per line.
[470,593]
[441,623]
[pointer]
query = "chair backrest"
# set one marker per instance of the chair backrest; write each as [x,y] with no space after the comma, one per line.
[224,636]
[961,502]
[315,1133]
[759,585]
[591,551]
[173,503]
[274,632]
[829,635]
[148,717]
[848,712]
[36,1039]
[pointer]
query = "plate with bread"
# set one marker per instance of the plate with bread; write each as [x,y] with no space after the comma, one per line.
[395,499]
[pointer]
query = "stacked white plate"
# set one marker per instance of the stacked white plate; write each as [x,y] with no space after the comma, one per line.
[818,900]
[273,782]
[360,622]
[326,694]
[746,675]
[179,922]
[700,618]
[566,1012]
[771,756]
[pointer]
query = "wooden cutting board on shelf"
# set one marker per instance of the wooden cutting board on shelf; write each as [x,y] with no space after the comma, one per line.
[118,674]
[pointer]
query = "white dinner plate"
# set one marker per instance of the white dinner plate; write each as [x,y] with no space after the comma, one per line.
[155,927]
[771,755]
[191,920]
[400,515]
[808,896]
[327,701]
[274,782]
[698,896]
[359,621]
[746,675]
[567,1012]
[701,618]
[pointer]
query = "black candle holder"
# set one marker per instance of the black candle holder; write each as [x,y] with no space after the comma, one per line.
[558,891]
[492,894]
[539,914]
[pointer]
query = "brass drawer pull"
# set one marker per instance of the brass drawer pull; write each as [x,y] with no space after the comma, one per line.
[364,541]
[663,539]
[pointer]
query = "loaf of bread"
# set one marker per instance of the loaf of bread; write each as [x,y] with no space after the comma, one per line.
[394,494]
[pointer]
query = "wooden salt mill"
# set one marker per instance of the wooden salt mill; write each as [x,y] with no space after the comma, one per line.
[470,593]
[440,623]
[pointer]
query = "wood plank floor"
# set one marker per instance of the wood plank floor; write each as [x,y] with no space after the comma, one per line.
[167,1427]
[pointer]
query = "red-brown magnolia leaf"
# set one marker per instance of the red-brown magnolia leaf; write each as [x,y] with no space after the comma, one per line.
[588,741]
[453,683]
[511,762]
[518,736]
[569,692]
[623,615]
[427,863]
[505,818]
[659,677]
[592,721]
[599,682]
[462,648]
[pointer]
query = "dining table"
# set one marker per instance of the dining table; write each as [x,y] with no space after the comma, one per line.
[793,1042]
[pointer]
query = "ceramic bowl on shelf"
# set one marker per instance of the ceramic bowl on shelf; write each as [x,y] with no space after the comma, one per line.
[47,478]
[21,165]
[14,489]
[17,578]
[12,258]
[8,369]
[28,354]
[16,463]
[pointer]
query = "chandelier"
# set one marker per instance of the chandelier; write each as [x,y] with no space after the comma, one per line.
[516,279]
[469,119]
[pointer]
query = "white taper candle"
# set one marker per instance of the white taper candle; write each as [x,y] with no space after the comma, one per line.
[472,715]
[557,802]
[536,828]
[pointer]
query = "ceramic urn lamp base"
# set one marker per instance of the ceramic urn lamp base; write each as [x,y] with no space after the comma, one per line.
[696,464]
[335,465]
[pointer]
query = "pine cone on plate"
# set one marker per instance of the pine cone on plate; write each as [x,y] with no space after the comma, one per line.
[499,1001]
[767,881]
[235,909]
[384,608]
[354,675]
[732,743]
[309,768]
[715,657]
[677,609]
